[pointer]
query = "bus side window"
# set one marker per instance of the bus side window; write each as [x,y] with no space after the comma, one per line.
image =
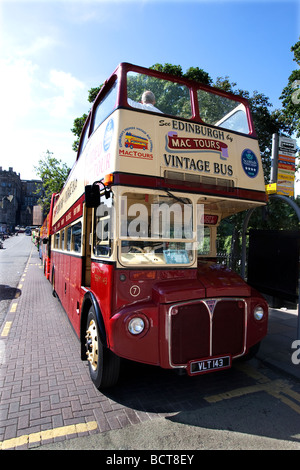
[69,239]
[105,106]
[222,112]
[76,237]
[63,239]
[56,240]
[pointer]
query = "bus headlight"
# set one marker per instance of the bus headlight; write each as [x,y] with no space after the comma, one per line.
[136,326]
[258,313]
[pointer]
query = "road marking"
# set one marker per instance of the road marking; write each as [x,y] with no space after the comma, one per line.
[13,307]
[251,372]
[49,434]
[6,329]
[276,388]
[237,392]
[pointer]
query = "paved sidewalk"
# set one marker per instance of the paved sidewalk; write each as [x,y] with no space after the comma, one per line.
[46,394]
[44,386]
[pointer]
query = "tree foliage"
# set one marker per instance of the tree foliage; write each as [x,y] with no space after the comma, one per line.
[193,73]
[53,174]
[77,129]
[290,96]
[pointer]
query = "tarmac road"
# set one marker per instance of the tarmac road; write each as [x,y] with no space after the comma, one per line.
[13,258]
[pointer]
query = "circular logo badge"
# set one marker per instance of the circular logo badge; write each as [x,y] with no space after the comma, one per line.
[135,291]
[108,135]
[249,163]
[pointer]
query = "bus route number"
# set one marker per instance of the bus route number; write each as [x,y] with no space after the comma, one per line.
[135,291]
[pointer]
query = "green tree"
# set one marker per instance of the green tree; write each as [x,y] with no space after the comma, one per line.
[193,73]
[266,122]
[77,129]
[53,174]
[277,214]
[290,96]
[198,75]
[168,68]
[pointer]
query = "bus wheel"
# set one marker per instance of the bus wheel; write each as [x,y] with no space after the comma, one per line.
[104,365]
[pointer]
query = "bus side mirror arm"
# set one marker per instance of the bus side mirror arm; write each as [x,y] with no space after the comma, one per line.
[92,195]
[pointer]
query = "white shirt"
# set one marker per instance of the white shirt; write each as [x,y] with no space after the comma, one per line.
[146,106]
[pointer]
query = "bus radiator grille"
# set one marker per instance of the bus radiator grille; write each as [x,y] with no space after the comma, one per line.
[207,328]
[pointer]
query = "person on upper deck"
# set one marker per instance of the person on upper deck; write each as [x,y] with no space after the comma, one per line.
[148,102]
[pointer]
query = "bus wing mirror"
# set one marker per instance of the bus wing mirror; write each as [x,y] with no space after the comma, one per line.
[92,195]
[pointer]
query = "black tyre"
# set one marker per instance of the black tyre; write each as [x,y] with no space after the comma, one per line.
[104,365]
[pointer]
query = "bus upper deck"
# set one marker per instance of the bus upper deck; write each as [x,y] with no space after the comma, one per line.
[196,138]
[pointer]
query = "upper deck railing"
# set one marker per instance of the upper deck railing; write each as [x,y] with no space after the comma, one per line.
[192,132]
[176,97]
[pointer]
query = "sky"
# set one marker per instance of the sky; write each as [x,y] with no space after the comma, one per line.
[53,52]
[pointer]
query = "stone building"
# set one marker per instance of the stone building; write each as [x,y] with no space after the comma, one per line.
[17,199]
[29,199]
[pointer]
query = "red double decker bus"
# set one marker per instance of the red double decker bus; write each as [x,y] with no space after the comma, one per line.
[136,142]
[133,232]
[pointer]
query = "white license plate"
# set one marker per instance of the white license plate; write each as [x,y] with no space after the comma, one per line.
[209,365]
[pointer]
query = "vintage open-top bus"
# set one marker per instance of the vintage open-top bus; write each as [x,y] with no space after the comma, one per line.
[133,237]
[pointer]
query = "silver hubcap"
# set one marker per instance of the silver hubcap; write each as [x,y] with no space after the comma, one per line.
[92,344]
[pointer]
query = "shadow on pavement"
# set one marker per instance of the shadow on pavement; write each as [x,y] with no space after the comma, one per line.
[9,293]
